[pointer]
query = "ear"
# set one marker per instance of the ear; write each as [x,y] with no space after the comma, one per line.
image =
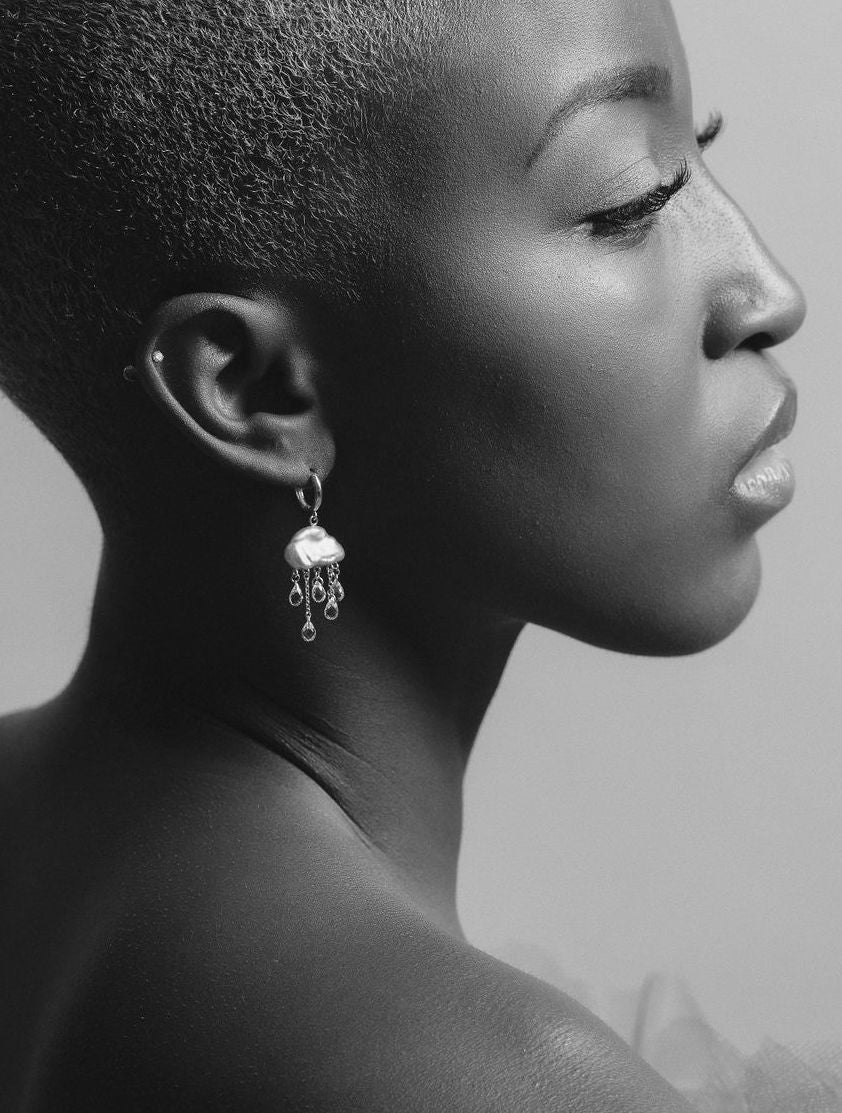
[237,376]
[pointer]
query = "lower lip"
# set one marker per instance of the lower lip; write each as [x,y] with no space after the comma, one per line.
[765,485]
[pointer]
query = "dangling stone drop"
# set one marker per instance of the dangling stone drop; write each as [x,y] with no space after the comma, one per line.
[308,631]
[338,591]
[318,592]
[296,596]
[331,610]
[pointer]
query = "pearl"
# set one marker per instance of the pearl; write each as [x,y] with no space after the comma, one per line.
[312,547]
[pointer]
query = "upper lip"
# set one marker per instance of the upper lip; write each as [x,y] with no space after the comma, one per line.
[779,424]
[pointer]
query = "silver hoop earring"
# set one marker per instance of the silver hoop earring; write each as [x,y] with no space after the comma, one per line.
[312,552]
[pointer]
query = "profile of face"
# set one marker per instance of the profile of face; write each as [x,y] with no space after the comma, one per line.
[560,412]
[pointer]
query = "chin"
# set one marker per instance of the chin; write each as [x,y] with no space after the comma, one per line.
[677,621]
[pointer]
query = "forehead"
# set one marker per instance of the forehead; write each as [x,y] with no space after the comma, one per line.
[520,58]
[583,28]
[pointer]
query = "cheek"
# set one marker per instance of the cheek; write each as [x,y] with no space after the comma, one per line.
[588,379]
[560,419]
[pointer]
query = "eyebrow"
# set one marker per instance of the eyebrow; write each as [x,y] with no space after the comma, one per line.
[633,82]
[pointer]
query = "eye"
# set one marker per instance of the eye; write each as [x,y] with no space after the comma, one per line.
[633,220]
[706,135]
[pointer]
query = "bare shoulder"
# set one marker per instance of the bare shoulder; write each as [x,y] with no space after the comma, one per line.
[332,995]
[218,936]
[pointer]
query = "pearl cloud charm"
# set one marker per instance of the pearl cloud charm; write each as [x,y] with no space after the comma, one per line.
[313,551]
[313,547]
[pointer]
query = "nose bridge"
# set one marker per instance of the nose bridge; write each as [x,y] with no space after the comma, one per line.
[754,300]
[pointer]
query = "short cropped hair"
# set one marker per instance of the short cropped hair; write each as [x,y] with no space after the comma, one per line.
[153,147]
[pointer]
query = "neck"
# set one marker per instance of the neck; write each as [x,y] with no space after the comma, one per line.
[381,710]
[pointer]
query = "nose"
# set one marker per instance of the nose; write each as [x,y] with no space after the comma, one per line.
[754,302]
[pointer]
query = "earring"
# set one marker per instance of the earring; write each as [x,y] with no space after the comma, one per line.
[312,551]
[130,372]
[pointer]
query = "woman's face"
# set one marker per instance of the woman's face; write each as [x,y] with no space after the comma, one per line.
[570,377]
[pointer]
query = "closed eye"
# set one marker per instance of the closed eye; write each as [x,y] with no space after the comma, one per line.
[710,131]
[637,214]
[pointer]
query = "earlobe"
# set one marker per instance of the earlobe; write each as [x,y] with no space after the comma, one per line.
[237,375]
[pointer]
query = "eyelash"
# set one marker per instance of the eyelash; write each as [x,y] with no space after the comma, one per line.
[635,218]
[710,131]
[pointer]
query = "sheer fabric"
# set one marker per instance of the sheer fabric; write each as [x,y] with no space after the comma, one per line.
[664,1024]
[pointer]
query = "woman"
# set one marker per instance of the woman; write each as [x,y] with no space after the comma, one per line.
[448,284]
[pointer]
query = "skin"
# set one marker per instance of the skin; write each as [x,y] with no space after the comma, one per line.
[232,856]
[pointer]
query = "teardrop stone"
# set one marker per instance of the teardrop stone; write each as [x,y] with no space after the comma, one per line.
[338,591]
[331,610]
[308,631]
[319,594]
[296,596]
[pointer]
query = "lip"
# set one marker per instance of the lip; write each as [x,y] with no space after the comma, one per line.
[778,427]
[765,482]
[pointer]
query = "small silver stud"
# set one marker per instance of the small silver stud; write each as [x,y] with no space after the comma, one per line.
[157,357]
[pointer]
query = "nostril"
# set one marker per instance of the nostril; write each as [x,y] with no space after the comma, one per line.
[758,341]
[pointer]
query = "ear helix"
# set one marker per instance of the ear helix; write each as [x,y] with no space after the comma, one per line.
[310,553]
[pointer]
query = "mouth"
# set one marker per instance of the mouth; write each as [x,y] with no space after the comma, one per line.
[765,483]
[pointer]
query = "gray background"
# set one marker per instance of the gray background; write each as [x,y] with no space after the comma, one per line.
[627,815]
